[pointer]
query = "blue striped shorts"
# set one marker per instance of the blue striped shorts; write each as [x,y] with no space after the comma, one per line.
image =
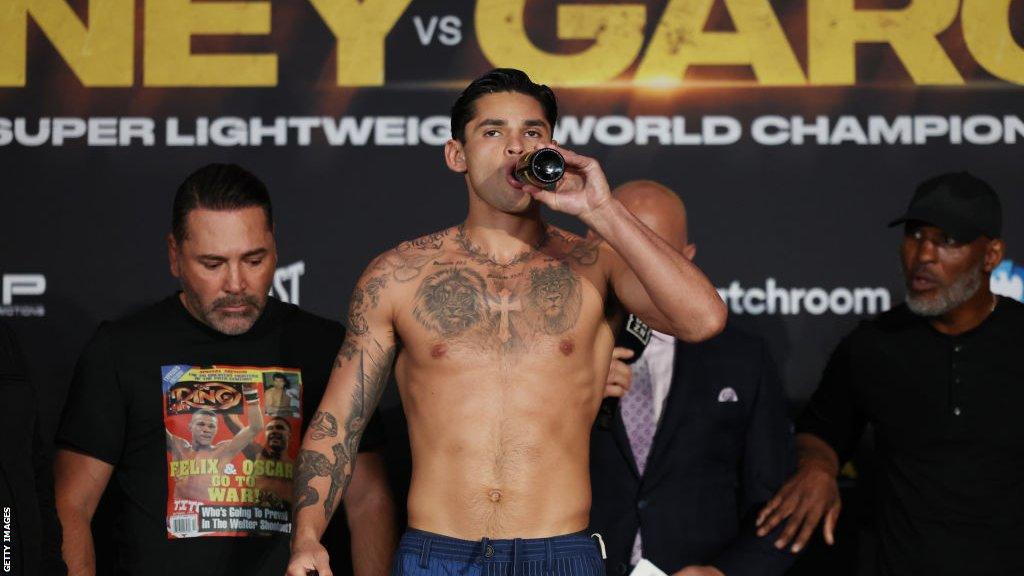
[426,554]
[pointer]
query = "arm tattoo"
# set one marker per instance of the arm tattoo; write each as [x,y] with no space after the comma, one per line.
[584,253]
[324,425]
[405,265]
[348,351]
[311,465]
[408,259]
[364,297]
[371,378]
[356,307]
[340,475]
[373,289]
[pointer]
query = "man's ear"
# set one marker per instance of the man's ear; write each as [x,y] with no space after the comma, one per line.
[172,255]
[455,156]
[994,251]
[690,251]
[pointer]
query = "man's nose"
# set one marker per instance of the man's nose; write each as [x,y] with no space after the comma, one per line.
[927,251]
[514,146]
[235,282]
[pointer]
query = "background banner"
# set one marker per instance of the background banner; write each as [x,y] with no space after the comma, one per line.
[793,129]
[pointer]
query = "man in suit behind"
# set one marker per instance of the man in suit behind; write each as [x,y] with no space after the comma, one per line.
[700,442]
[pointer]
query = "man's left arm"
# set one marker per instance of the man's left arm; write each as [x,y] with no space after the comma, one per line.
[768,460]
[649,277]
[370,511]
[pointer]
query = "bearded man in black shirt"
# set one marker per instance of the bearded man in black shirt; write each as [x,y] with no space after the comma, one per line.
[177,368]
[941,381]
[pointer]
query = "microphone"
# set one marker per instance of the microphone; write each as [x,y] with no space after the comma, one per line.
[635,335]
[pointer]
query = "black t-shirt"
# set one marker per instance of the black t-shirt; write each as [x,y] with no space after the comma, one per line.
[949,436]
[26,480]
[195,501]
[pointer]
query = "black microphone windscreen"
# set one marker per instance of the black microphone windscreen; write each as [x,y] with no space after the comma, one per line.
[634,335]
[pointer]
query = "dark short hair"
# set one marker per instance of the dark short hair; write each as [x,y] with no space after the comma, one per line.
[500,80]
[282,419]
[218,187]
[204,412]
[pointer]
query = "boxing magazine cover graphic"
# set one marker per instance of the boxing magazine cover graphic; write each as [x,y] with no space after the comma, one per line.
[232,441]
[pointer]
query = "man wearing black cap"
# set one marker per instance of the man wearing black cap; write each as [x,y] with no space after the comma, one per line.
[940,379]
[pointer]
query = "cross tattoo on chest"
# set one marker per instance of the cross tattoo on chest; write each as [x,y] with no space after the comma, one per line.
[502,305]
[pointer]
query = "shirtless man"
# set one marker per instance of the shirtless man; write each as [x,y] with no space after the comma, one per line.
[499,330]
[278,396]
[273,468]
[203,427]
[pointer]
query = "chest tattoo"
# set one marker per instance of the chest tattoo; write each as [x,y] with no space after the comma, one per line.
[503,313]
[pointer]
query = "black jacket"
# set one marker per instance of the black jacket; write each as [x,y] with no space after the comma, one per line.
[26,477]
[713,464]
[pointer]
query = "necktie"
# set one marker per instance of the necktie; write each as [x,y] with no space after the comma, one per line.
[638,414]
[638,417]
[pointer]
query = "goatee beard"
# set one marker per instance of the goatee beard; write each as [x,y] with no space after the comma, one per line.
[946,299]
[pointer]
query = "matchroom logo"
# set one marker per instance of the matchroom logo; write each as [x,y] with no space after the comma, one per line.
[775,299]
[16,293]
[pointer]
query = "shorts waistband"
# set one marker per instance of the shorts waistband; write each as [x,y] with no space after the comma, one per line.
[429,544]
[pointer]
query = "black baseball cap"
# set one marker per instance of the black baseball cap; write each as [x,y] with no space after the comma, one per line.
[959,203]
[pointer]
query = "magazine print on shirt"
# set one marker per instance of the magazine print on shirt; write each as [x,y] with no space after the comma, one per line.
[233,435]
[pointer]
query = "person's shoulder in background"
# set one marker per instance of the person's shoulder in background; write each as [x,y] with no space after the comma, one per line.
[26,485]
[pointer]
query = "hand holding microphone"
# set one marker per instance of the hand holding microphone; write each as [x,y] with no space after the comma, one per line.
[620,377]
[634,335]
[629,345]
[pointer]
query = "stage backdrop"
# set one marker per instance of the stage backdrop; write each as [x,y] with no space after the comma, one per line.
[793,129]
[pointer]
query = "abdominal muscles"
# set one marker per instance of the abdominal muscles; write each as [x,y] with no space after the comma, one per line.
[499,456]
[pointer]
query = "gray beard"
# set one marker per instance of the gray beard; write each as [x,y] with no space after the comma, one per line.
[961,290]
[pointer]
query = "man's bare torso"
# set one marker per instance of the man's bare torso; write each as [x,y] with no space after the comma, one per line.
[501,369]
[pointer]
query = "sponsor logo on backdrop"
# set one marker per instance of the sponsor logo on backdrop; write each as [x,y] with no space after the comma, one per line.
[286,282]
[1008,280]
[816,301]
[16,296]
[773,299]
